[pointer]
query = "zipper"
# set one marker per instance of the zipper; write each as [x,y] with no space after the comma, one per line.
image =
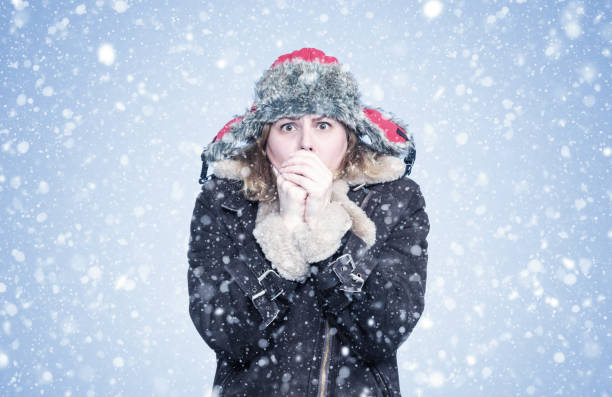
[381,379]
[325,362]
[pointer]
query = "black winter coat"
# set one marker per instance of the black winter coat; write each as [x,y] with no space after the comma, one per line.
[330,335]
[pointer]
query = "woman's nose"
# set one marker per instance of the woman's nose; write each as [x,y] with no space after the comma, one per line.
[306,142]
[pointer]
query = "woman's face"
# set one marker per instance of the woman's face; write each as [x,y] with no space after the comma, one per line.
[324,136]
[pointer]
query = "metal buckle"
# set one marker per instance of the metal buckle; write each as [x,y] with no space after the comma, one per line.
[344,267]
[263,276]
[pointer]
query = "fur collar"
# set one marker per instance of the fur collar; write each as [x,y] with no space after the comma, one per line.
[311,243]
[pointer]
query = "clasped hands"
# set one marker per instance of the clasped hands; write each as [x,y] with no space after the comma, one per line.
[304,186]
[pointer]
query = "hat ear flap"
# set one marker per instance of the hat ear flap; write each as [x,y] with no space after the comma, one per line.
[236,130]
[386,131]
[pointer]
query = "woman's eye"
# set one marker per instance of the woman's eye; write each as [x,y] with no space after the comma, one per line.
[325,123]
[287,125]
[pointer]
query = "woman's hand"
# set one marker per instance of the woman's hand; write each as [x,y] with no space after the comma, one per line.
[307,171]
[292,199]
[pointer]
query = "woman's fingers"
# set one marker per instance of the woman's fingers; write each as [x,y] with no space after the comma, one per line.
[308,156]
[295,192]
[302,181]
[306,161]
[289,187]
[304,172]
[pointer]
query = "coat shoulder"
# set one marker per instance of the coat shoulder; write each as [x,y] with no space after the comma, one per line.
[220,190]
[404,189]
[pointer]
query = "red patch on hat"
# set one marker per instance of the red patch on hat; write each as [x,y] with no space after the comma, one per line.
[307,54]
[228,125]
[391,129]
[226,128]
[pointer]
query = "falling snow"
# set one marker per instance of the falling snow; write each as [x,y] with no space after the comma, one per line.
[106,106]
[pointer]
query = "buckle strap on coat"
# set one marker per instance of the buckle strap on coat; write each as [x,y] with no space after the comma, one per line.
[263,289]
[351,278]
[344,268]
[259,282]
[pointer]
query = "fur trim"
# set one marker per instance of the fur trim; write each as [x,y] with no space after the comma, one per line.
[277,243]
[321,239]
[388,168]
[362,226]
[230,169]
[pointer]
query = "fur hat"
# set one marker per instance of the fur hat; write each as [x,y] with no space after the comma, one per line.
[305,82]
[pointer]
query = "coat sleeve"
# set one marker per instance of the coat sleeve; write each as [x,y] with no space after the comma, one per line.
[375,321]
[223,314]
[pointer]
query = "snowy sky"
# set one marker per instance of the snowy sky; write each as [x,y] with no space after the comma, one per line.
[105,108]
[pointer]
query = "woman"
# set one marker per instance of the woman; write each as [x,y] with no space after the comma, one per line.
[308,251]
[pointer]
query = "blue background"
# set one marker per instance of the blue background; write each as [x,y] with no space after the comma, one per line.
[509,103]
